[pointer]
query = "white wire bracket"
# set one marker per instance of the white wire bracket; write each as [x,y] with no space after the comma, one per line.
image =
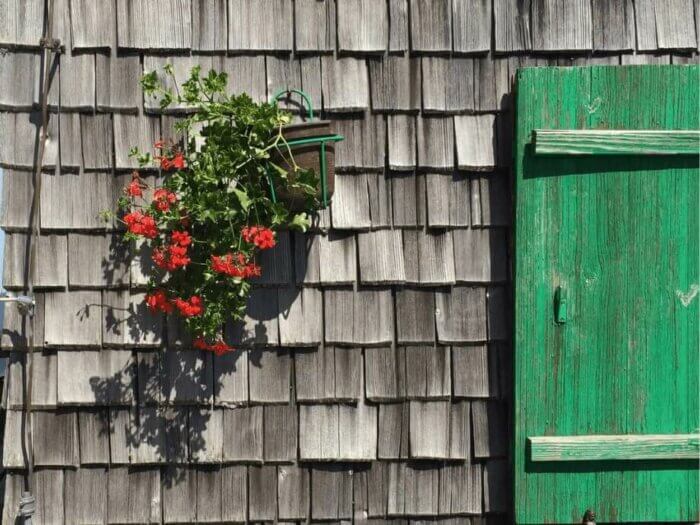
[25,303]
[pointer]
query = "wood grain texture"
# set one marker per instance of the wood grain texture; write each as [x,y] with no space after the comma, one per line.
[620,234]
[616,142]
[603,448]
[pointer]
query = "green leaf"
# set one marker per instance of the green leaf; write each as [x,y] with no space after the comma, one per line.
[243,199]
[301,222]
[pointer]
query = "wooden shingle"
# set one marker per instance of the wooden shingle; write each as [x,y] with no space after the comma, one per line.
[179,495]
[262,503]
[350,207]
[269,375]
[16,199]
[395,83]
[439,430]
[134,495]
[415,315]
[127,320]
[77,83]
[379,200]
[393,431]
[460,489]
[435,142]
[234,485]
[381,257]
[209,494]
[13,30]
[21,74]
[499,313]
[85,495]
[448,200]
[345,84]
[253,25]
[497,483]
[474,371]
[209,25]
[448,84]
[328,374]
[93,434]
[44,382]
[133,131]
[246,74]
[476,142]
[48,490]
[186,377]
[100,377]
[276,263]
[331,493]
[480,255]
[363,26]
[385,374]
[364,317]
[243,428]
[96,261]
[293,487]
[613,25]
[428,373]
[55,438]
[318,432]
[512,25]
[398,25]
[675,26]
[63,206]
[117,80]
[92,24]
[402,142]
[429,257]
[260,325]
[73,319]
[460,314]
[431,25]
[300,321]
[280,433]
[231,378]
[51,266]
[408,199]
[490,427]
[141,24]
[562,25]
[13,455]
[471,26]
[358,432]
[412,490]
[317,33]
[206,435]
[366,151]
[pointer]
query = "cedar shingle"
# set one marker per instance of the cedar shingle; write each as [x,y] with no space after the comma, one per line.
[16,199]
[471,25]
[350,206]
[474,371]
[412,490]
[480,255]
[429,257]
[55,438]
[243,428]
[186,377]
[134,495]
[20,76]
[415,315]
[85,495]
[460,489]
[490,428]
[92,24]
[269,375]
[365,148]
[318,432]
[408,199]
[393,431]
[260,325]
[13,30]
[300,316]
[141,24]
[379,200]
[44,382]
[209,25]
[511,25]
[431,25]
[331,493]
[476,142]
[317,33]
[100,377]
[402,142]
[206,435]
[96,261]
[117,81]
[613,25]
[262,503]
[385,374]
[428,374]
[127,320]
[345,84]
[280,433]
[234,485]
[255,25]
[73,319]
[209,494]
[395,83]
[461,314]
[93,433]
[381,257]
[292,492]
[448,200]
[448,84]
[398,25]
[435,142]
[51,264]
[180,495]
[362,26]
[562,25]
[327,373]
[363,317]
[231,378]
[48,490]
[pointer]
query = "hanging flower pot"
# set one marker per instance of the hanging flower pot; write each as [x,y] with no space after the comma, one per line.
[312,147]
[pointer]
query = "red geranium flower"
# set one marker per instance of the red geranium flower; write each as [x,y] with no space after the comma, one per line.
[134,188]
[163,199]
[189,308]
[219,347]
[171,258]
[178,161]
[181,238]
[157,301]
[260,236]
[235,265]
[140,223]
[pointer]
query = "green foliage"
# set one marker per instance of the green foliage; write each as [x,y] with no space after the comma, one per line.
[233,149]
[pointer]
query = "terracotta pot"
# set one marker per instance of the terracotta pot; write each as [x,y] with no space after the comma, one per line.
[308,156]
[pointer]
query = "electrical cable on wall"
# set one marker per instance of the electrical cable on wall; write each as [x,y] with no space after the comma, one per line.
[49,47]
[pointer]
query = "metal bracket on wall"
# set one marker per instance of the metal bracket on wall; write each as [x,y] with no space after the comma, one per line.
[25,303]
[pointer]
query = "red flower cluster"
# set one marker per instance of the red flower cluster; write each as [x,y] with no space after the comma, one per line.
[135,187]
[140,223]
[189,308]
[163,199]
[260,236]
[158,302]
[235,265]
[219,348]
[173,256]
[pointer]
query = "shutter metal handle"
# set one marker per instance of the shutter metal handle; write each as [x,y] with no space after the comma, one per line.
[560,305]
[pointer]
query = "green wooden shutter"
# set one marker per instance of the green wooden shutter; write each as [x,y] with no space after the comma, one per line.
[606,278]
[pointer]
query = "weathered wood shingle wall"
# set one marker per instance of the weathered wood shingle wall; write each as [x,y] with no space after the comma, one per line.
[373,379]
